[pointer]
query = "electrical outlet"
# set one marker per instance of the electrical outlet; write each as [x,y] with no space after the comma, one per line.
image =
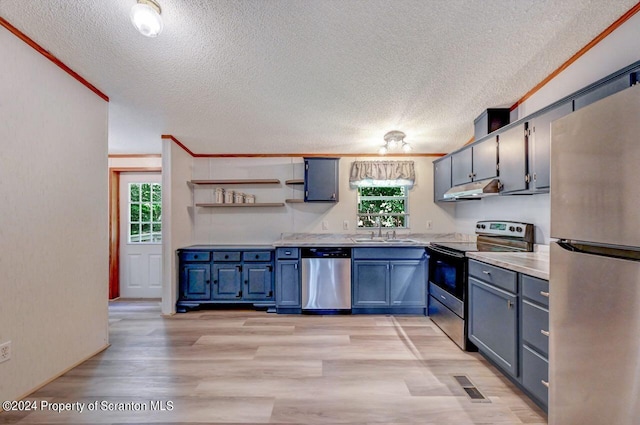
[429,224]
[325,225]
[5,351]
[345,225]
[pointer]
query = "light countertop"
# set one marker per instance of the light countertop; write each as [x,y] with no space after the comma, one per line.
[349,240]
[531,263]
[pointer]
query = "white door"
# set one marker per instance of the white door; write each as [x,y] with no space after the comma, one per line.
[140,235]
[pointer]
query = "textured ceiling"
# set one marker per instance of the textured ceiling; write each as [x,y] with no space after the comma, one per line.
[310,76]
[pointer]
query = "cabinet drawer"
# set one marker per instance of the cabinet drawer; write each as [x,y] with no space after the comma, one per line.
[535,325]
[388,253]
[284,253]
[256,256]
[496,276]
[195,256]
[535,369]
[535,289]
[226,256]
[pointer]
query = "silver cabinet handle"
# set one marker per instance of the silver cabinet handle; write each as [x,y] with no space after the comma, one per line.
[509,304]
[295,266]
[545,383]
[543,332]
[443,297]
[486,272]
[544,294]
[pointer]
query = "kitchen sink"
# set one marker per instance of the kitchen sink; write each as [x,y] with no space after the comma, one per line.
[369,240]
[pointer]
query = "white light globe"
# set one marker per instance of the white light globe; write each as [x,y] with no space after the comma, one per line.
[382,150]
[146,19]
[406,147]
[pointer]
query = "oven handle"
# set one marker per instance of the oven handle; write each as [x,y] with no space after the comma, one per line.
[445,252]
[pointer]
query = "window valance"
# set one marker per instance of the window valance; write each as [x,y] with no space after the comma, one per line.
[382,173]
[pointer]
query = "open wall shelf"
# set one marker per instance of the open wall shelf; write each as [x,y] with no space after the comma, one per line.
[295,181]
[237,181]
[263,204]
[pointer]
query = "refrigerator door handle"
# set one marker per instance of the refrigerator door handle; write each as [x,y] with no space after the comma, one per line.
[621,252]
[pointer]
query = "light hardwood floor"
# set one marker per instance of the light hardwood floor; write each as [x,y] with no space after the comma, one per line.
[249,367]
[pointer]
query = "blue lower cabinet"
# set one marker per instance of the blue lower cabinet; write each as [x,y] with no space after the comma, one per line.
[258,281]
[288,285]
[385,282]
[511,329]
[370,284]
[219,276]
[227,283]
[407,283]
[493,324]
[195,282]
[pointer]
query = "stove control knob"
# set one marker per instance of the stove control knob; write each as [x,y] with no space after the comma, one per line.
[484,226]
[511,228]
[478,226]
[519,229]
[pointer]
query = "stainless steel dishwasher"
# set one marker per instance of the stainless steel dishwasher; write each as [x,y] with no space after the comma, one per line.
[326,280]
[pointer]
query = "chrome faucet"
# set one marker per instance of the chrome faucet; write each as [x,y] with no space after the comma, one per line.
[379,224]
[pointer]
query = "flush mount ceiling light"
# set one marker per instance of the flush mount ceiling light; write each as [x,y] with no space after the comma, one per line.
[145,16]
[393,140]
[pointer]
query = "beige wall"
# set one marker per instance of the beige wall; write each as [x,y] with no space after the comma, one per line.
[264,225]
[53,219]
[177,219]
[135,162]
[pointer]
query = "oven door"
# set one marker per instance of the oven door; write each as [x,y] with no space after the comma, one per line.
[447,271]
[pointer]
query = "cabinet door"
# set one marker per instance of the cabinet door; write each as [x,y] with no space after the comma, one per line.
[227,284]
[461,167]
[441,178]
[512,149]
[407,282]
[195,282]
[493,326]
[321,180]
[258,281]
[370,283]
[485,159]
[540,144]
[288,284]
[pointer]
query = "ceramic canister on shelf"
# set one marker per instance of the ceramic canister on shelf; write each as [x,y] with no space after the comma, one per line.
[229,196]
[250,199]
[239,198]
[219,195]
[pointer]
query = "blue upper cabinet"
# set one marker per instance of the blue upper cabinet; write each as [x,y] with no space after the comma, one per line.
[321,179]
[441,177]
[474,163]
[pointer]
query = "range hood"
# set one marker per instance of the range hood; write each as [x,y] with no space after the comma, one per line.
[473,190]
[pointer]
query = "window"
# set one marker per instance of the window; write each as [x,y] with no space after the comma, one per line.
[145,213]
[389,204]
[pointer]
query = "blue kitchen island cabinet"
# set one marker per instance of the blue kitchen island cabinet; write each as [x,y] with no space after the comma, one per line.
[219,275]
[288,280]
[321,179]
[389,280]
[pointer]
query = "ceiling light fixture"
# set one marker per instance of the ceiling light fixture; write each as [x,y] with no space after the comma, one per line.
[145,16]
[392,140]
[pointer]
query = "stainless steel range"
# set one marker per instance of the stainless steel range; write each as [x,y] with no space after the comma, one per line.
[448,286]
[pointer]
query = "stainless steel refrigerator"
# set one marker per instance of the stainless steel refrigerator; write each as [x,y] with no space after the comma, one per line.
[594,352]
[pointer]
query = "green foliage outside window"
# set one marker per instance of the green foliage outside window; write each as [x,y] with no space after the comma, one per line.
[388,204]
[145,212]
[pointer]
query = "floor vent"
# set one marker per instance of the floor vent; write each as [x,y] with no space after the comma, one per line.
[472,391]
